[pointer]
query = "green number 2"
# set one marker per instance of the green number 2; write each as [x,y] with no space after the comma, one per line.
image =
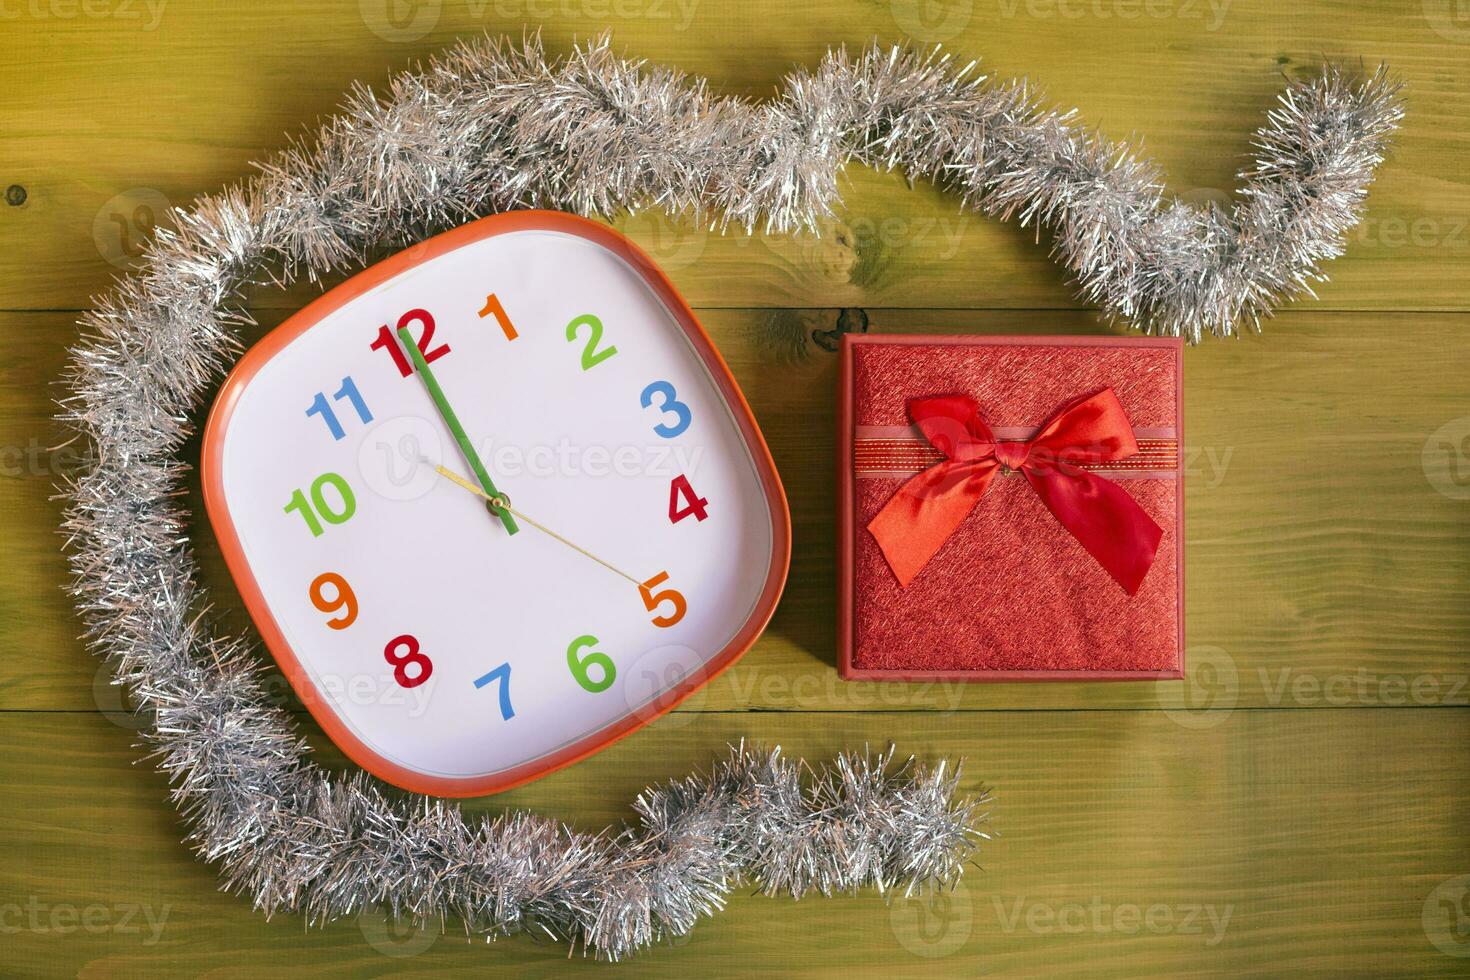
[591,356]
[579,664]
[319,504]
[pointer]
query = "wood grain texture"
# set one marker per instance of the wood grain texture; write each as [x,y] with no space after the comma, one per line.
[1309,779]
[1278,840]
[130,119]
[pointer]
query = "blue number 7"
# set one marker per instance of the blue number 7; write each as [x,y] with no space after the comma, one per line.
[502,674]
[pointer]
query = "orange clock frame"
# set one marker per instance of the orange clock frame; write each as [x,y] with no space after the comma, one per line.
[211,463]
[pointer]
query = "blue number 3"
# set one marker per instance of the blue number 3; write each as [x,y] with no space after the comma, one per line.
[670,405]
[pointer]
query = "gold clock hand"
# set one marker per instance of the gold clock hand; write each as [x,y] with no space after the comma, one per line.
[503,502]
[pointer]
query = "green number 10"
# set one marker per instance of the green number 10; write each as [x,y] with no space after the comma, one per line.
[319,504]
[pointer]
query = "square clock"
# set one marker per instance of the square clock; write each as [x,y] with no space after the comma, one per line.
[494,503]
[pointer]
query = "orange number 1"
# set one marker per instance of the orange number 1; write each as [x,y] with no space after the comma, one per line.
[492,306]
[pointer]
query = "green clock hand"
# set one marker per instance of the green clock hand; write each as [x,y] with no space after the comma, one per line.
[452,420]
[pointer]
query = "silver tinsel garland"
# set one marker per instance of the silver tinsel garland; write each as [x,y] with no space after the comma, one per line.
[489,127]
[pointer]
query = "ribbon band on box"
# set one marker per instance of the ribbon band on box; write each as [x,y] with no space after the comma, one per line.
[1061,461]
[880,451]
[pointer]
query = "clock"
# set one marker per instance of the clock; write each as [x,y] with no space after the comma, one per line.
[494,503]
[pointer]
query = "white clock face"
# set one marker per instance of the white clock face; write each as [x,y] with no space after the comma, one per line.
[439,649]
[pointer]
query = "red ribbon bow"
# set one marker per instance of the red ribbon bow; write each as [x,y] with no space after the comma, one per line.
[914,525]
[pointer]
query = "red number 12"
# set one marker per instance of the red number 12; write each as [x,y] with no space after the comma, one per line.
[388,340]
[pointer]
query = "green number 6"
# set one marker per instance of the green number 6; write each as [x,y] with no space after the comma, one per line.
[578,665]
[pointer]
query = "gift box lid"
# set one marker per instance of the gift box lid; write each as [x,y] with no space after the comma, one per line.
[1011,593]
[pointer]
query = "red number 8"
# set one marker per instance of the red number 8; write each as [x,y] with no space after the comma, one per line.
[400,664]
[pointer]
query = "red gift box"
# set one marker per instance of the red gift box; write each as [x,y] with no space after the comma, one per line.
[1033,581]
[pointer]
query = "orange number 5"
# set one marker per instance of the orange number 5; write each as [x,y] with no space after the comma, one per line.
[652,600]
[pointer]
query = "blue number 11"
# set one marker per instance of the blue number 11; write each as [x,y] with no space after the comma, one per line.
[320,406]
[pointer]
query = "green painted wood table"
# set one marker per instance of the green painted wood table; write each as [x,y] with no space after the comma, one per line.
[1299,803]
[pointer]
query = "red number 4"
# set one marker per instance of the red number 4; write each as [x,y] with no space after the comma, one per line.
[692,503]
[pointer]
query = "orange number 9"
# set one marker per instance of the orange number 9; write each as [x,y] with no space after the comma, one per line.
[345,599]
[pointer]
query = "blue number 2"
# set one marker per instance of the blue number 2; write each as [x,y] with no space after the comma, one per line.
[670,405]
[502,674]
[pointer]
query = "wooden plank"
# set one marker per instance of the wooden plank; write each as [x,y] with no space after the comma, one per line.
[1281,840]
[1324,567]
[137,112]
